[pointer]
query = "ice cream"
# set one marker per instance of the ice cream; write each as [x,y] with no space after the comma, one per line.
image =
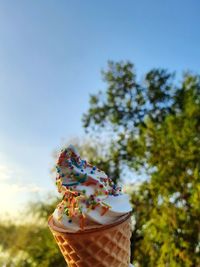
[90,199]
[92,223]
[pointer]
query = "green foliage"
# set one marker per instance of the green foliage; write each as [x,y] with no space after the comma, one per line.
[30,244]
[155,126]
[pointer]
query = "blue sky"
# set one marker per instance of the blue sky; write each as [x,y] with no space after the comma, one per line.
[51,55]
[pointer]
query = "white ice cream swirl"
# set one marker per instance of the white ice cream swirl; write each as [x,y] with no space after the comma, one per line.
[90,198]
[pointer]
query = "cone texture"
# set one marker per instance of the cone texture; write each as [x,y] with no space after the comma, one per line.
[108,246]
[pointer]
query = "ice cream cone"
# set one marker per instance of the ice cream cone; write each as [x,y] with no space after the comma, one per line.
[107,246]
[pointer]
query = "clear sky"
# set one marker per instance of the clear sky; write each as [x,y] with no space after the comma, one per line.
[51,55]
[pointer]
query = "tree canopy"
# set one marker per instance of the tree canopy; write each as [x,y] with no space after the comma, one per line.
[30,244]
[155,125]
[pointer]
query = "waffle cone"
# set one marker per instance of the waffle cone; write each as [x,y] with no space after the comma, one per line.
[108,246]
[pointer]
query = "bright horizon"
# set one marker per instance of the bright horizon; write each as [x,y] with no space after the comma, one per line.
[51,58]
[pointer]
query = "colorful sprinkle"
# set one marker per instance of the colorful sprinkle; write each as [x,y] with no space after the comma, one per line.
[76,170]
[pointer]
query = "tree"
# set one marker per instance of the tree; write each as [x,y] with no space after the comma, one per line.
[30,244]
[155,125]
